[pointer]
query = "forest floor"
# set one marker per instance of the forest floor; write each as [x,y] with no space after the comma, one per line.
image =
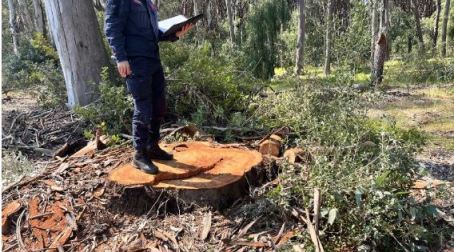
[125,220]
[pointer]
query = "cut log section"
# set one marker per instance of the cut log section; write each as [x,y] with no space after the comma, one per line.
[92,147]
[201,172]
[271,146]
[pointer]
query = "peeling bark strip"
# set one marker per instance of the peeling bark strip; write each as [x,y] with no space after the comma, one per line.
[77,37]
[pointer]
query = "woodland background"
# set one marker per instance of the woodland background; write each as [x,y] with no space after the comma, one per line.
[366,86]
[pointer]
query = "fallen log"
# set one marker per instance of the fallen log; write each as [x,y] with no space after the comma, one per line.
[200,172]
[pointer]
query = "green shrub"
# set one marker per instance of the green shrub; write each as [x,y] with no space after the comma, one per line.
[36,67]
[363,168]
[203,88]
[112,111]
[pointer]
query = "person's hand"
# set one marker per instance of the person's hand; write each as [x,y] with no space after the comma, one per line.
[123,68]
[184,30]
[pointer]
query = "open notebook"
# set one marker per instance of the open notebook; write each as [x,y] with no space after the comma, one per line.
[174,24]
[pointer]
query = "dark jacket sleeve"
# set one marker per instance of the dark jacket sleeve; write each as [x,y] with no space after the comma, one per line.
[172,37]
[116,20]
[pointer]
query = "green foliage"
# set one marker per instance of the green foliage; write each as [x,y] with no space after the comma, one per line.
[36,67]
[203,88]
[419,71]
[263,26]
[112,111]
[363,168]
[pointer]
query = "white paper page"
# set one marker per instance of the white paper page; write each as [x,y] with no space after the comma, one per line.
[165,24]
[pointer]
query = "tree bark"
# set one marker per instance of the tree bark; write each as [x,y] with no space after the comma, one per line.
[82,54]
[379,59]
[13,25]
[24,12]
[299,66]
[435,31]
[415,8]
[327,68]
[373,31]
[385,26]
[444,28]
[39,17]
[228,4]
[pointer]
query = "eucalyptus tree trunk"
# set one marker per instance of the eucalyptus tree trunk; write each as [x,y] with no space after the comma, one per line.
[299,65]
[444,28]
[77,36]
[435,31]
[228,4]
[379,59]
[39,20]
[329,7]
[415,8]
[26,18]
[385,26]
[13,25]
[373,31]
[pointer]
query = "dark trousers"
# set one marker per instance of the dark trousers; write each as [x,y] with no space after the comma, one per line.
[148,88]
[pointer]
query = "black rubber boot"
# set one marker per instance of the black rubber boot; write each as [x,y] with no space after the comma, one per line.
[155,152]
[142,162]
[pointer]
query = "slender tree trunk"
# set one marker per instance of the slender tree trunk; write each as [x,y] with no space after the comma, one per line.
[409,43]
[39,17]
[13,25]
[329,7]
[444,28]
[435,31]
[373,31]
[299,66]
[379,60]
[26,17]
[415,8]
[228,4]
[385,26]
[81,51]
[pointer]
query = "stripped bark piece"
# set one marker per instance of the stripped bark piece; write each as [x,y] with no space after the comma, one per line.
[423,184]
[284,239]
[50,230]
[206,226]
[53,186]
[10,209]
[62,238]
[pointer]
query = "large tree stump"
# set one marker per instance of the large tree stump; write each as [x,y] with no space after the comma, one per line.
[200,172]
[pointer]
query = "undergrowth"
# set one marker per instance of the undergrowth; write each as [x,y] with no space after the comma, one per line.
[363,168]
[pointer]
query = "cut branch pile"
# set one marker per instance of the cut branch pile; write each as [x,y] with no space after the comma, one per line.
[38,131]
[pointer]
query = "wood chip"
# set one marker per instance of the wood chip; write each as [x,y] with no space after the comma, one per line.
[10,209]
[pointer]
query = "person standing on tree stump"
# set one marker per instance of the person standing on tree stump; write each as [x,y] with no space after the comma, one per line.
[131,27]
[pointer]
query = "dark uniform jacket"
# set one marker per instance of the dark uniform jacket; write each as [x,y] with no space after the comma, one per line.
[132,29]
